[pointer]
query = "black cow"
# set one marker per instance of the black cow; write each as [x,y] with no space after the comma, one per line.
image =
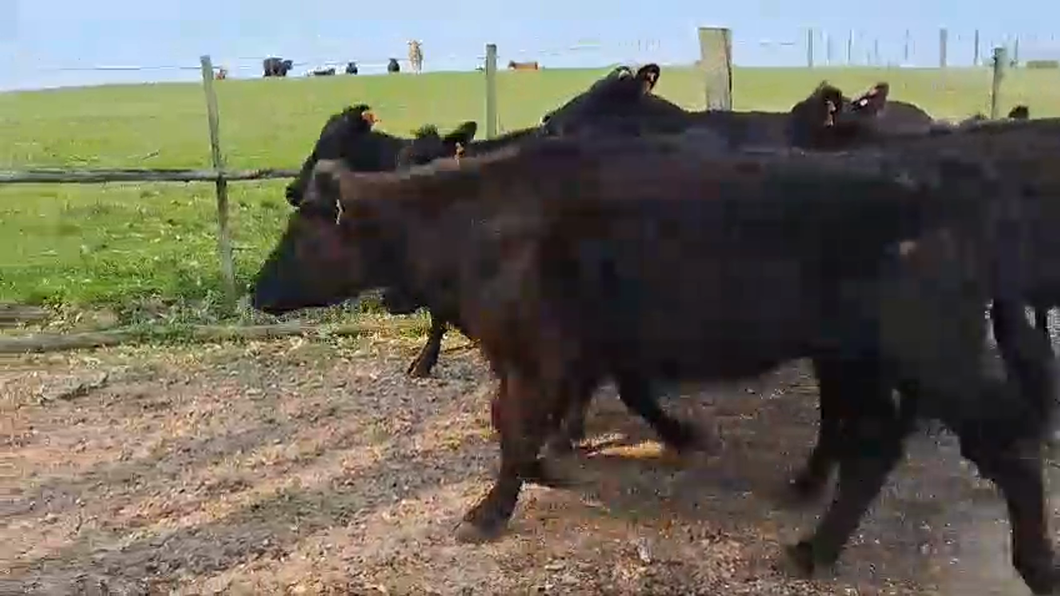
[1024,149]
[276,67]
[349,136]
[324,72]
[623,103]
[585,258]
[351,68]
[393,66]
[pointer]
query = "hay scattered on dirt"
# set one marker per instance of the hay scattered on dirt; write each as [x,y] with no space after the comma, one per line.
[318,468]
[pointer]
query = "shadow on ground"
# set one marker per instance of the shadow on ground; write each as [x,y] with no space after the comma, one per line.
[322,469]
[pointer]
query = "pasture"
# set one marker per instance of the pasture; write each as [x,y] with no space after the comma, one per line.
[315,466]
[146,246]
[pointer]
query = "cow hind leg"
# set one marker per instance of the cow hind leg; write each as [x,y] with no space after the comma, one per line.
[1005,445]
[423,364]
[809,482]
[1041,322]
[572,428]
[1016,469]
[524,412]
[637,395]
[872,436]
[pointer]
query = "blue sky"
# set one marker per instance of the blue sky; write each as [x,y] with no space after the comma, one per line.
[47,41]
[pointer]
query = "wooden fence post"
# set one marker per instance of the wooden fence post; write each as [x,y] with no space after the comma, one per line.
[809,48]
[1000,64]
[944,42]
[491,90]
[224,239]
[715,63]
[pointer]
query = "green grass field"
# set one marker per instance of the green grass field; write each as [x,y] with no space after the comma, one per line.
[127,245]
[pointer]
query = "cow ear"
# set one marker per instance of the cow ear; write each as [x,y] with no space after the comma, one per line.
[463,134]
[649,75]
[872,101]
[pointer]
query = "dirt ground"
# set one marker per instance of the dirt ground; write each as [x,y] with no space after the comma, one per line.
[308,467]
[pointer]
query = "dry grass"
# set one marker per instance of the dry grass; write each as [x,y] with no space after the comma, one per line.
[318,468]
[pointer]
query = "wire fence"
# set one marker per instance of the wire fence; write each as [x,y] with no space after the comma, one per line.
[807,47]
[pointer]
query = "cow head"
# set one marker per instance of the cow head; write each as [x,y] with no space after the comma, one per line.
[334,246]
[648,75]
[428,145]
[812,120]
[621,101]
[347,136]
[871,103]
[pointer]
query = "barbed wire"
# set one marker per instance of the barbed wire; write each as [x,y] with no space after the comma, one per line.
[372,62]
[825,42]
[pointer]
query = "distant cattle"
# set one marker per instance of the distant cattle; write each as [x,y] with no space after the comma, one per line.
[416,55]
[351,68]
[565,279]
[393,66]
[513,65]
[276,67]
[221,74]
[323,72]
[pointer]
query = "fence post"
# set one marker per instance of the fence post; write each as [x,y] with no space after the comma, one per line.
[850,47]
[975,59]
[943,46]
[224,239]
[491,90]
[715,62]
[1016,52]
[809,47]
[1000,64]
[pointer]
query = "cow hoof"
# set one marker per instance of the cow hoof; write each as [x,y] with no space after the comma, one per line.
[696,449]
[1043,578]
[551,473]
[685,457]
[469,532]
[800,560]
[559,446]
[417,370]
[703,442]
[803,490]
